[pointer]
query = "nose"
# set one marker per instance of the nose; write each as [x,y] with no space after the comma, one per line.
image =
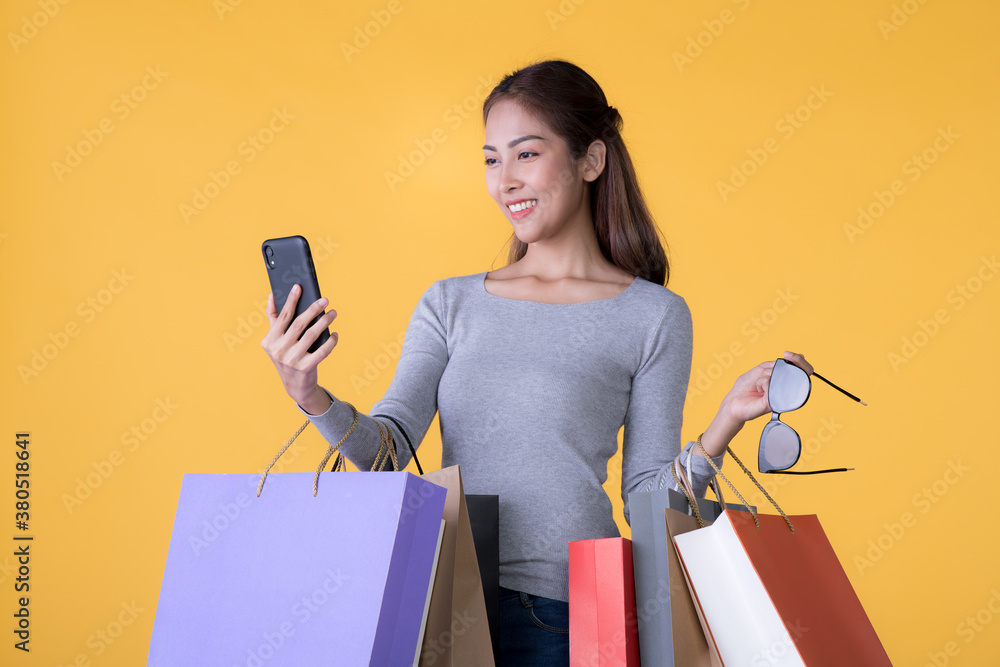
[508,178]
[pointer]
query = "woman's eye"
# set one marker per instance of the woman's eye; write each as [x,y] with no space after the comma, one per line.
[490,161]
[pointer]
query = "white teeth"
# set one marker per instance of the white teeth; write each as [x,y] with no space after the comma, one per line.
[520,206]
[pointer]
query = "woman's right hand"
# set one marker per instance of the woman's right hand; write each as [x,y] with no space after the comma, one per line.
[291,357]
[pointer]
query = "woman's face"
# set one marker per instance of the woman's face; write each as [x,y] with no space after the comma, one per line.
[529,168]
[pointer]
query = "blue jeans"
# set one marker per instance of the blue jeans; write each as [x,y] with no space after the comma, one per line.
[533,630]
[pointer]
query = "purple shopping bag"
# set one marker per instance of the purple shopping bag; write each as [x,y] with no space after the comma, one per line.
[342,578]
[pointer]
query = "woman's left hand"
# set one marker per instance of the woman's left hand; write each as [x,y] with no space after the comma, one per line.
[748,398]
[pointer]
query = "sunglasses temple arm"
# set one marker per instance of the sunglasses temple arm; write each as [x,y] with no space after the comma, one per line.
[807,472]
[846,393]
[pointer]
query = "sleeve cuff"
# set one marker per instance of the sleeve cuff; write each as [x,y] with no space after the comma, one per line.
[333,402]
[700,471]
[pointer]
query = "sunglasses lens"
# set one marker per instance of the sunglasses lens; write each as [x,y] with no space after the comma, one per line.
[788,388]
[779,447]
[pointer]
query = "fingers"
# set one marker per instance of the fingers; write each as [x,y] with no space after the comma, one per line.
[302,321]
[290,303]
[281,340]
[282,318]
[312,334]
[324,350]
[278,321]
[271,311]
[273,331]
[798,360]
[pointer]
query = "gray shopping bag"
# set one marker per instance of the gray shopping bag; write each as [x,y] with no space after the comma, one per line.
[650,561]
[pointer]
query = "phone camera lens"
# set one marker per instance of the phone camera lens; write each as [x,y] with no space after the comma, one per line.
[269,252]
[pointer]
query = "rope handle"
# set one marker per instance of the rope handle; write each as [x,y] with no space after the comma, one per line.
[728,483]
[713,483]
[752,478]
[386,452]
[685,486]
[718,494]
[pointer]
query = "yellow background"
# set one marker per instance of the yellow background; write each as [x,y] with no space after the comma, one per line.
[186,327]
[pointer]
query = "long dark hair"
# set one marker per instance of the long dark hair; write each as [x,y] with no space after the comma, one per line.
[572,104]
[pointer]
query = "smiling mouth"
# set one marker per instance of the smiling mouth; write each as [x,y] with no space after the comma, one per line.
[522,206]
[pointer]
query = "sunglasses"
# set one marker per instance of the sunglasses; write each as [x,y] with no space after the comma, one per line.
[780,445]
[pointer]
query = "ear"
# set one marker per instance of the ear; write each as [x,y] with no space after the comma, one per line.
[593,162]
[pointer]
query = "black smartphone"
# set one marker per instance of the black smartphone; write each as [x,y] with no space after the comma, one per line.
[289,263]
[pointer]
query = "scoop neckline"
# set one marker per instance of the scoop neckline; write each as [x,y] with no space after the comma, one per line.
[482,285]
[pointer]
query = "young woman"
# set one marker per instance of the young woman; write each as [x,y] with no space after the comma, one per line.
[534,367]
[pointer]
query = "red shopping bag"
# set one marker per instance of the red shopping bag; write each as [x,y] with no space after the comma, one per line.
[602,620]
[770,590]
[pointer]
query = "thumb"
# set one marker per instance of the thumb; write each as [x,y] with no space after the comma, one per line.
[272,312]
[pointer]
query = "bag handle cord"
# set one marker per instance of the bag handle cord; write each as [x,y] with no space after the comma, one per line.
[386,452]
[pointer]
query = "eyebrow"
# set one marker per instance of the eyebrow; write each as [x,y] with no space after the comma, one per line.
[515,142]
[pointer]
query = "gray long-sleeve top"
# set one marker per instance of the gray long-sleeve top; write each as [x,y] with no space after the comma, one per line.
[531,397]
